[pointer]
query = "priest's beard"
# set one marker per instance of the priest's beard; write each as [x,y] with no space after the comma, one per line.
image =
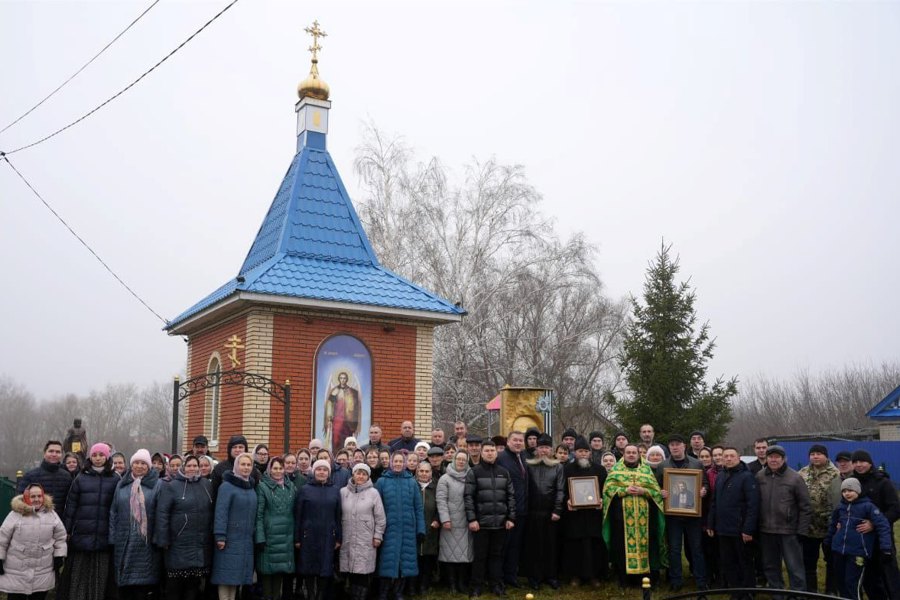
[631,465]
[584,463]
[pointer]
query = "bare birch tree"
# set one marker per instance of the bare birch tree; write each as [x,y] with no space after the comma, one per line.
[537,314]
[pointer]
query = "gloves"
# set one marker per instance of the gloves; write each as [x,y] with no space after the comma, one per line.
[57,562]
[2,572]
[260,546]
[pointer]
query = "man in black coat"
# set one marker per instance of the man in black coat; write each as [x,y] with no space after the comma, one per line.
[733,514]
[545,507]
[407,440]
[490,502]
[881,580]
[51,476]
[513,459]
[584,555]
[237,445]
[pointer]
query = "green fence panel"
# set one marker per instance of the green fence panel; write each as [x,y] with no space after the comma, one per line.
[7,493]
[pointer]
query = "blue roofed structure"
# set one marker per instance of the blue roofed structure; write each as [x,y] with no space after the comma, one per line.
[888,409]
[311,250]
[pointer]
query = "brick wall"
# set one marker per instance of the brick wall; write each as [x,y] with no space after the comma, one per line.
[297,336]
[201,348]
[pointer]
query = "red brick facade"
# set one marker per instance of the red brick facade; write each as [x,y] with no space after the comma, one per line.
[295,338]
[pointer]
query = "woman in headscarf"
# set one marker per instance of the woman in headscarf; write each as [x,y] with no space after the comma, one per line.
[608,460]
[184,530]
[87,574]
[274,529]
[363,523]
[456,548]
[655,457]
[317,530]
[261,458]
[207,464]
[32,544]
[233,525]
[427,547]
[137,561]
[405,523]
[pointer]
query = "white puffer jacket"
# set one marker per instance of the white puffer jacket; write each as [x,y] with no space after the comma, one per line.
[28,542]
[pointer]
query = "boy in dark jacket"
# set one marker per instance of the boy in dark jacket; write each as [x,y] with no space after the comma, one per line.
[851,550]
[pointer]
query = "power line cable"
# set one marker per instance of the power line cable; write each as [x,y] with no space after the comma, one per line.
[83,67]
[80,239]
[126,88]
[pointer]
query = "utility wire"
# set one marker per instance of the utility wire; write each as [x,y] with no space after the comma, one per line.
[83,67]
[126,88]
[78,237]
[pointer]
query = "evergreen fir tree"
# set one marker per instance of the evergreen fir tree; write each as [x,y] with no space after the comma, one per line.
[665,359]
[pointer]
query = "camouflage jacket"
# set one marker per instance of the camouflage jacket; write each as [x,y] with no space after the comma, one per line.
[824,485]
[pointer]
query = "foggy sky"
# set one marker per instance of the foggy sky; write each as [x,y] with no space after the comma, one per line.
[760,139]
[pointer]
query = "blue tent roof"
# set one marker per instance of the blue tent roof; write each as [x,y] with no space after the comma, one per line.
[888,409]
[311,245]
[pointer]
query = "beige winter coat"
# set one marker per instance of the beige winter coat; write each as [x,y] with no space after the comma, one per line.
[28,542]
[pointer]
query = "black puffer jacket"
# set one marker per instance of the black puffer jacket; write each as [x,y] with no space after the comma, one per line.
[881,492]
[545,486]
[55,480]
[489,496]
[184,515]
[87,508]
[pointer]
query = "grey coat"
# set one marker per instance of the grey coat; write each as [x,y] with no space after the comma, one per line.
[456,542]
[363,520]
[784,506]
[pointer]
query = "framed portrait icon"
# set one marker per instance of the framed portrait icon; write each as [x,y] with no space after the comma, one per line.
[584,492]
[684,487]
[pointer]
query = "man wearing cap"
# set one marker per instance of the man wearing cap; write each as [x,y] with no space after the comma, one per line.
[620,440]
[583,552]
[545,507]
[784,514]
[679,528]
[436,460]
[698,440]
[473,447]
[595,439]
[531,437]
[201,446]
[513,460]
[237,445]
[883,580]
[500,443]
[844,464]
[824,483]
[568,439]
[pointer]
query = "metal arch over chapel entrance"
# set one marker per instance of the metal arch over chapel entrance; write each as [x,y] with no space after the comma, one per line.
[280,392]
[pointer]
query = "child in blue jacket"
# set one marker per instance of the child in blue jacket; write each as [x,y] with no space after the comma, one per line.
[852,551]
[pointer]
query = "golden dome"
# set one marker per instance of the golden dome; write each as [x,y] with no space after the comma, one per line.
[313,86]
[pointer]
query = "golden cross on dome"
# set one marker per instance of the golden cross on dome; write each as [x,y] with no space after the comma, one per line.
[316,33]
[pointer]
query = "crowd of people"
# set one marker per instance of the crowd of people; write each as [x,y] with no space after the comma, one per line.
[392,519]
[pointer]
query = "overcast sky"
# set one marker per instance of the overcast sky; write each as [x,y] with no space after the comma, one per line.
[760,139]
